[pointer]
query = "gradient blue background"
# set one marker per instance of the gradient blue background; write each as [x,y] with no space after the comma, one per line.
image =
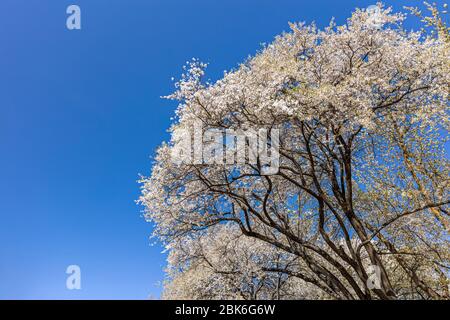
[80,115]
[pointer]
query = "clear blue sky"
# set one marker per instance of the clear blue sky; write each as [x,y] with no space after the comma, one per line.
[80,115]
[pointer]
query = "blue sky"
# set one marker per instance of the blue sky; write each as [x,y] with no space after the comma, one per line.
[80,115]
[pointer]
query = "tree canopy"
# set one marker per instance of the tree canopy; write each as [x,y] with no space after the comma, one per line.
[359,205]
